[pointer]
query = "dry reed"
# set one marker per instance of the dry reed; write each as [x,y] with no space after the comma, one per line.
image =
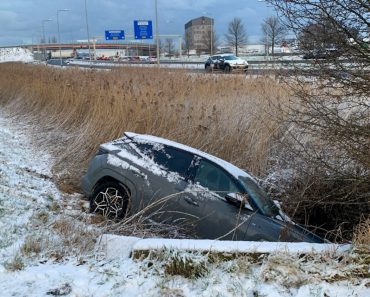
[361,235]
[73,111]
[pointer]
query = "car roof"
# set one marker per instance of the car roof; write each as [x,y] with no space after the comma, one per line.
[232,169]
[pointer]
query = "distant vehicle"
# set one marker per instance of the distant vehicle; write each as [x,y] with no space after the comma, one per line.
[103,58]
[180,185]
[148,58]
[82,56]
[226,63]
[134,58]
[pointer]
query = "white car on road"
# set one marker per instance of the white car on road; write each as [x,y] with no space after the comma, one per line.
[226,63]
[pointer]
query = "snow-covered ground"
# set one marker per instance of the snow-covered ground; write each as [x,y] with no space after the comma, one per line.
[15,54]
[49,248]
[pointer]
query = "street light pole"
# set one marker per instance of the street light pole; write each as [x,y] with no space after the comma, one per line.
[60,46]
[43,34]
[87,29]
[211,36]
[156,30]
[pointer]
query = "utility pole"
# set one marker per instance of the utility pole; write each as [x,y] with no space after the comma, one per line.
[60,46]
[211,36]
[156,30]
[43,35]
[87,29]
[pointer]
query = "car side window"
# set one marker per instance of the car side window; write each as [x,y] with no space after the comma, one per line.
[172,159]
[215,179]
[177,160]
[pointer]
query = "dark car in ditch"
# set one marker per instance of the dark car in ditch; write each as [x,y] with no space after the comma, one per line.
[184,186]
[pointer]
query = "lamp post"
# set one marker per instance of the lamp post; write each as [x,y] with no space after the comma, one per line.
[43,34]
[156,30]
[211,36]
[60,47]
[87,29]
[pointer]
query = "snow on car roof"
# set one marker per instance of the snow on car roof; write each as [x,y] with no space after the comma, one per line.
[232,169]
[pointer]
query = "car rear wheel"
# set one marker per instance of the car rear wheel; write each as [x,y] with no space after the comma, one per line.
[227,69]
[110,200]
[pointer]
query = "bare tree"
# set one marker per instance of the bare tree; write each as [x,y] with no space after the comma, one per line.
[236,35]
[210,41]
[54,40]
[274,32]
[332,114]
[320,35]
[169,46]
[161,46]
[187,43]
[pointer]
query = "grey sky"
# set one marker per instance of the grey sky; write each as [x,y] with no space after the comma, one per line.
[20,20]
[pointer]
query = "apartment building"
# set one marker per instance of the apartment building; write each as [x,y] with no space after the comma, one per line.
[198,34]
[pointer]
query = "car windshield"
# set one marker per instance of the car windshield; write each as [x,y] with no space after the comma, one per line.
[259,197]
[231,57]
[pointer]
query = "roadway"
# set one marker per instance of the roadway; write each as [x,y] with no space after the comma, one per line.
[274,67]
[255,67]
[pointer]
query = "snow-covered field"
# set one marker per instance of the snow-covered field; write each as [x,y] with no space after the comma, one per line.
[49,248]
[15,54]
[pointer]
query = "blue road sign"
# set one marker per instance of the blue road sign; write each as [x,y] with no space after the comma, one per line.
[143,29]
[114,34]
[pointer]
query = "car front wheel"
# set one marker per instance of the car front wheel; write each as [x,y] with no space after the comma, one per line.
[110,200]
[227,69]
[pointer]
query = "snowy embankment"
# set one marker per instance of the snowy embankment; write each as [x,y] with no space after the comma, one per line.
[15,54]
[49,246]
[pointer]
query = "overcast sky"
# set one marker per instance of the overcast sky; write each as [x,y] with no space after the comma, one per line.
[20,20]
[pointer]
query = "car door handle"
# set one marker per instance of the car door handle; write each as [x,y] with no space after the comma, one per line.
[191,201]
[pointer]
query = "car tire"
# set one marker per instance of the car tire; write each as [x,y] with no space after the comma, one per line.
[208,68]
[110,200]
[227,69]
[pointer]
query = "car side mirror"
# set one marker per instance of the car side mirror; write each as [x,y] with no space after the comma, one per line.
[239,199]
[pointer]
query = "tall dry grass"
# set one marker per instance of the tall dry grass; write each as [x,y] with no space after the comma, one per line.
[73,111]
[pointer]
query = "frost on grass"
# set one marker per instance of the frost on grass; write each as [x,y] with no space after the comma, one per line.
[35,218]
[279,274]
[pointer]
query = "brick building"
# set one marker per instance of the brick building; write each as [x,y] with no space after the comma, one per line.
[197,34]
